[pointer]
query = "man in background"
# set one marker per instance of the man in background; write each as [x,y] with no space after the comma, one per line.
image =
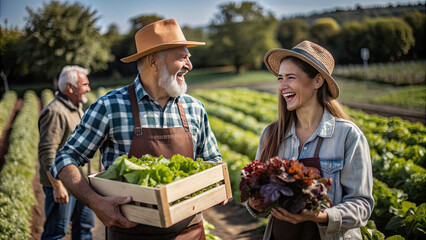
[56,123]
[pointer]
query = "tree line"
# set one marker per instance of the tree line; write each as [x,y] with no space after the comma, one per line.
[239,34]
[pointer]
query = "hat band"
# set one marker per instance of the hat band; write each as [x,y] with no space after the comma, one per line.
[310,57]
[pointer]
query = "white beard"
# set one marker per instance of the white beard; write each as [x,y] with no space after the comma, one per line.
[170,84]
[83,99]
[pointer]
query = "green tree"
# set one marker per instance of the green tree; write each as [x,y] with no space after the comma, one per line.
[11,44]
[124,45]
[323,31]
[59,34]
[349,42]
[200,56]
[388,38]
[292,31]
[417,22]
[141,21]
[242,33]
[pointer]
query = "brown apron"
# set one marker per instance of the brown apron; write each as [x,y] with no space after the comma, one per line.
[306,230]
[156,142]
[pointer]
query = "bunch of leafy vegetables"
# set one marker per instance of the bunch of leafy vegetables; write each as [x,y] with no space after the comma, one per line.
[284,183]
[151,171]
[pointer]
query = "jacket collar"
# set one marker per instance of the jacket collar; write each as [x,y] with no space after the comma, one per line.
[325,128]
[67,101]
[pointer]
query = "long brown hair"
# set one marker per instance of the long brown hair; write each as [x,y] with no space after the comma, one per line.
[277,130]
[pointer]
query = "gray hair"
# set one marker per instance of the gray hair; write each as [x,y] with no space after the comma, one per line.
[69,74]
[142,61]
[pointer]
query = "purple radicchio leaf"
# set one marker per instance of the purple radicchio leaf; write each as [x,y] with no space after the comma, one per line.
[271,192]
[285,177]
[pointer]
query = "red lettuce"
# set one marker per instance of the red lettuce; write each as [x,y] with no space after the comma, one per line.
[285,183]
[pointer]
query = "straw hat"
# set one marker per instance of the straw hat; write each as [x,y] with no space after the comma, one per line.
[311,53]
[157,36]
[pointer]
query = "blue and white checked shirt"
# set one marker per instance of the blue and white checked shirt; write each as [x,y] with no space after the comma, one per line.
[108,125]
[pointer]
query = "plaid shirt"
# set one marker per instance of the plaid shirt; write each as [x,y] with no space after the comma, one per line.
[108,125]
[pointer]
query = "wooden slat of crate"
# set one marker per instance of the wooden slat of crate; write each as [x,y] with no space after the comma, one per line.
[143,215]
[184,187]
[113,188]
[227,181]
[197,204]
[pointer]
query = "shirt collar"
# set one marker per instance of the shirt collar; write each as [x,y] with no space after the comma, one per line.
[140,91]
[325,128]
[67,101]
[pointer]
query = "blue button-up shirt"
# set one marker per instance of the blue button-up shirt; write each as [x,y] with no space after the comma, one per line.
[108,125]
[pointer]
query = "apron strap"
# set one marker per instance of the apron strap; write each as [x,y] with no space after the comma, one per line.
[317,149]
[135,110]
[183,117]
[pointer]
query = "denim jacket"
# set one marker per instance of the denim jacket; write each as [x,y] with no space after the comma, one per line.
[344,157]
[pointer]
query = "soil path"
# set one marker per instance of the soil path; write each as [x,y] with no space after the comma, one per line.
[232,221]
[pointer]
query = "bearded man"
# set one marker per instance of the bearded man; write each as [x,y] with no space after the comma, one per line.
[153,115]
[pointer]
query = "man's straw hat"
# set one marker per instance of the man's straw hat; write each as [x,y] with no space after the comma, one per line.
[157,36]
[309,52]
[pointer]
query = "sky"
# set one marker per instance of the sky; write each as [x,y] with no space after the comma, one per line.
[192,13]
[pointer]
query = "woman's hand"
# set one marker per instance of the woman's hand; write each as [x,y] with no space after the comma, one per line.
[305,215]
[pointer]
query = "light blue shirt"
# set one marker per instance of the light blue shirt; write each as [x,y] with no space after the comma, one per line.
[344,157]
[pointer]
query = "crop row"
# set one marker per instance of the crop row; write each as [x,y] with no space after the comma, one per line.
[46,96]
[263,112]
[238,118]
[16,191]
[393,214]
[6,105]
[402,73]
[239,140]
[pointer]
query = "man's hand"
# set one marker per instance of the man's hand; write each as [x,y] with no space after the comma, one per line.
[305,215]
[106,208]
[108,211]
[224,202]
[60,194]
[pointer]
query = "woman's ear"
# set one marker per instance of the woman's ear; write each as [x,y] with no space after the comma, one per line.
[319,81]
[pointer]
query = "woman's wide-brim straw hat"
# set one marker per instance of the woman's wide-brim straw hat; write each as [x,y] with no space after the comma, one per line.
[309,52]
[157,36]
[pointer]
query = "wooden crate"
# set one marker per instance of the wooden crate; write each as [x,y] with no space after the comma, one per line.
[160,213]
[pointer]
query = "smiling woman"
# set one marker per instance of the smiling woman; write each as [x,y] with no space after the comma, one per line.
[313,128]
